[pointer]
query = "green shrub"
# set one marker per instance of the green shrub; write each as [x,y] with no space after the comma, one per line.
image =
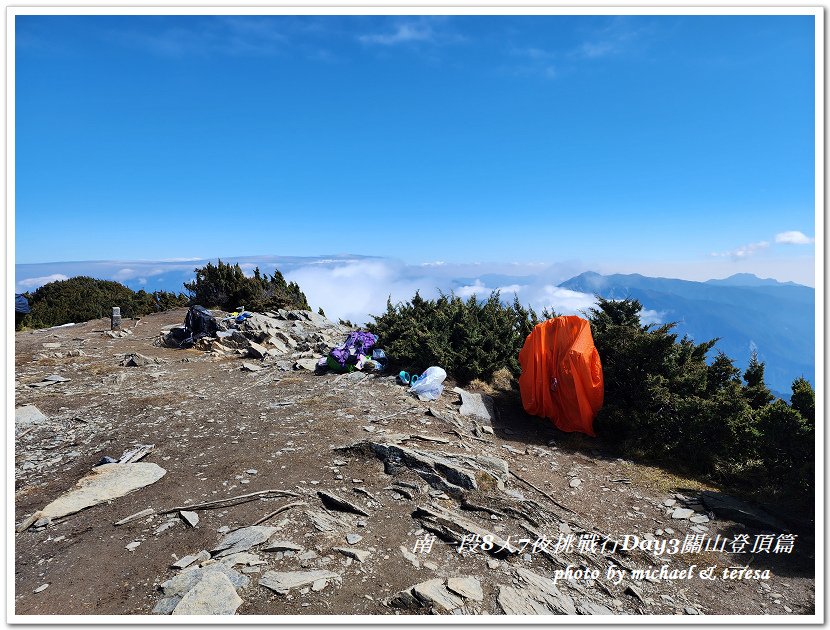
[225,286]
[664,403]
[82,298]
[469,339]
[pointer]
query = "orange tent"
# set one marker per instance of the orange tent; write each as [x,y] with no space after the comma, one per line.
[562,374]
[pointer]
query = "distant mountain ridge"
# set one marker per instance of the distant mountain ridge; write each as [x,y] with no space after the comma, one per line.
[743,311]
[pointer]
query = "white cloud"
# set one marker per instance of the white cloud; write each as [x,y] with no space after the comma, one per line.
[649,316]
[355,290]
[793,237]
[614,39]
[34,283]
[404,33]
[744,251]
[477,288]
[563,301]
[126,274]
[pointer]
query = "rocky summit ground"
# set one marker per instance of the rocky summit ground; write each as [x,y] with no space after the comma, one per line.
[287,492]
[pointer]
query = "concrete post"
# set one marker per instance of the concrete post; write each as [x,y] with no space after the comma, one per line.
[116,318]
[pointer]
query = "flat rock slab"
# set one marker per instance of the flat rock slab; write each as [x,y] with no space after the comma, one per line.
[360,555]
[243,539]
[251,367]
[335,502]
[478,405]
[682,513]
[186,561]
[213,595]
[56,378]
[587,607]
[468,587]
[435,593]
[436,468]
[537,596]
[283,581]
[28,416]
[729,507]
[306,364]
[323,521]
[186,580]
[104,483]
[453,525]
[191,518]
[515,602]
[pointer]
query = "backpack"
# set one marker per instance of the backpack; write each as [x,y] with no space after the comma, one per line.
[198,323]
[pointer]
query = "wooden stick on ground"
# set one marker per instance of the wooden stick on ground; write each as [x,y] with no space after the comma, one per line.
[243,498]
[285,507]
[542,492]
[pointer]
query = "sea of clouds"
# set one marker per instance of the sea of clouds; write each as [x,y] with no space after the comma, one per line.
[347,287]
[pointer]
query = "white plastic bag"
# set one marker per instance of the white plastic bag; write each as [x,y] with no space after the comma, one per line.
[430,384]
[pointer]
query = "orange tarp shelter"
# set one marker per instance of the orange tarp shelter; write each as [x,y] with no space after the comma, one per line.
[562,374]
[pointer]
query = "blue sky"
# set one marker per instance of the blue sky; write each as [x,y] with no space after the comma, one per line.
[668,145]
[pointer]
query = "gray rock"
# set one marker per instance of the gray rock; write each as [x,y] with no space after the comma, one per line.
[357,554]
[257,351]
[453,525]
[575,483]
[306,364]
[323,521]
[186,561]
[405,599]
[353,539]
[468,587]
[283,581]
[682,513]
[57,378]
[544,591]
[438,470]
[136,360]
[478,405]
[516,602]
[250,367]
[166,605]
[411,557]
[104,483]
[164,527]
[212,595]
[191,518]
[132,546]
[434,593]
[28,416]
[587,607]
[41,588]
[634,592]
[243,539]
[699,519]
[689,610]
[335,502]
[184,581]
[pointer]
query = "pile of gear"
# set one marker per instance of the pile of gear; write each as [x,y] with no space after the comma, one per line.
[303,336]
